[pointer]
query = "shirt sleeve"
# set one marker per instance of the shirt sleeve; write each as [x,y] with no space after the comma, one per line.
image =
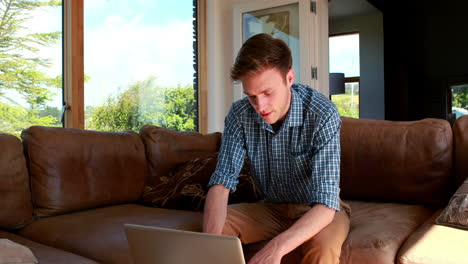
[325,163]
[231,154]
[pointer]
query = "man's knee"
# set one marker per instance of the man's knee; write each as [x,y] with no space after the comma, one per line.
[320,251]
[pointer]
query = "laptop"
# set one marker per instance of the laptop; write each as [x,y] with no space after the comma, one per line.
[154,245]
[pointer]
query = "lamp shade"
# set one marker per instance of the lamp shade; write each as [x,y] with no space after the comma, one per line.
[337,83]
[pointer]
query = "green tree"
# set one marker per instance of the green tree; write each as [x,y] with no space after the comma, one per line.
[20,73]
[145,102]
[460,96]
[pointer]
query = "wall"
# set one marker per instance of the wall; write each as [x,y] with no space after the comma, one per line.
[219,61]
[425,46]
[371,52]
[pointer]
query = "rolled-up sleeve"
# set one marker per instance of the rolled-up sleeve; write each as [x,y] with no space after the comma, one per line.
[325,163]
[231,154]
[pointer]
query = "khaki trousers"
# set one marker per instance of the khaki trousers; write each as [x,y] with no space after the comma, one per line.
[255,222]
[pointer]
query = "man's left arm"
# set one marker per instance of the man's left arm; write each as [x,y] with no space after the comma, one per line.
[324,193]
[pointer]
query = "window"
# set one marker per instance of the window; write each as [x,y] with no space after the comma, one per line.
[30,65]
[344,58]
[458,96]
[138,61]
[124,64]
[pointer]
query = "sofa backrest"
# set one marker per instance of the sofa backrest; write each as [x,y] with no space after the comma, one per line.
[73,169]
[460,145]
[167,149]
[388,161]
[15,196]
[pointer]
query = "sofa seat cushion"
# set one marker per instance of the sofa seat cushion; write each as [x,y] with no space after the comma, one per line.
[99,233]
[377,230]
[46,254]
[435,244]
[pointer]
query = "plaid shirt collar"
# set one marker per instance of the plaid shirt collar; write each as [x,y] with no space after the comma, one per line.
[294,116]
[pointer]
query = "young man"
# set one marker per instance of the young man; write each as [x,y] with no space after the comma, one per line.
[291,134]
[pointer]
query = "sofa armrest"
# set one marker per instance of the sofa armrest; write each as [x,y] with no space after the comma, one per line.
[432,243]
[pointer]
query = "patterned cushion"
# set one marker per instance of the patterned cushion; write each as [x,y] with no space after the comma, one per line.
[456,212]
[186,187]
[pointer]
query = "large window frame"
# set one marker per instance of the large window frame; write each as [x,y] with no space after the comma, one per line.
[73,64]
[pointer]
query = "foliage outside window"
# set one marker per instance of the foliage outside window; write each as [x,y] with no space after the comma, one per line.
[344,57]
[459,100]
[139,64]
[30,81]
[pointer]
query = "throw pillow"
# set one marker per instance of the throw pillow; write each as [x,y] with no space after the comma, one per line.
[186,187]
[456,212]
[11,252]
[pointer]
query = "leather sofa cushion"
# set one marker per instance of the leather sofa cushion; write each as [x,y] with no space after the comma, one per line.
[460,133]
[435,244]
[15,196]
[377,231]
[46,254]
[401,162]
[99,234]
[74,169]
[167,149]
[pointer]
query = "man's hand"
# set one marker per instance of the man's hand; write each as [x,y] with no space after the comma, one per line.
[269,254]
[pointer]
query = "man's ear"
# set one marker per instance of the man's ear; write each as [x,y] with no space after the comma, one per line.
[290,77]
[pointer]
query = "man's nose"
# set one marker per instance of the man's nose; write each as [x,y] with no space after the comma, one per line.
[261,103]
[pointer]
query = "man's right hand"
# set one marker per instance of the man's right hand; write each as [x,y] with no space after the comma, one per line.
[214,214]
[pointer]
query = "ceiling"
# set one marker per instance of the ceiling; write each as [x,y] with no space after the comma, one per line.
[346,8]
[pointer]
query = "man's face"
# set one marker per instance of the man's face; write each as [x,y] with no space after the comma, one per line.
[269,93]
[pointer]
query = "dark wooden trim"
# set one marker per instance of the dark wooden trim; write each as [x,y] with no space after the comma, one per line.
[352,79]
[74,63]
[202,69]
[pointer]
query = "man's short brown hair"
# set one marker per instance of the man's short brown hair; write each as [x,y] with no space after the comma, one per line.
[261,52]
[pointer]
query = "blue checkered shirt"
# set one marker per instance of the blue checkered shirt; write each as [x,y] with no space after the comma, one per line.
[298,164]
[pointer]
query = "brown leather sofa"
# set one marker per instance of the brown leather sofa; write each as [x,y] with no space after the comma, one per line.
[66,193]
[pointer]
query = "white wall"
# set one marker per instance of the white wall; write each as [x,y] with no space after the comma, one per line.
[371,52]
[219,60]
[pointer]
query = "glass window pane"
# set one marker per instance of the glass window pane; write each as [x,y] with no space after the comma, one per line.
[139,64]
[348,103]
[30,64]
[344,58]
[459,100]
[280,22]
[344,54]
